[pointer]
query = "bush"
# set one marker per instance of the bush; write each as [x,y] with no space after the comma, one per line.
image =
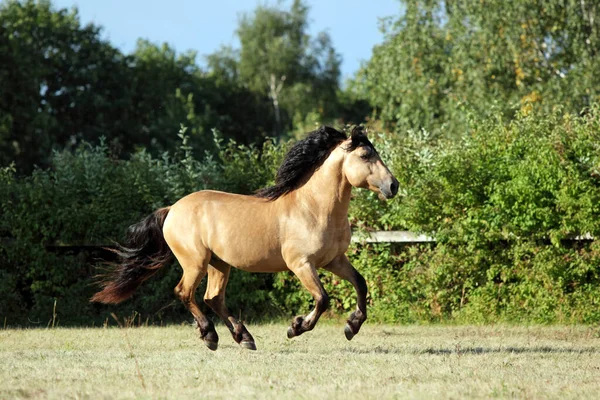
[505,204]
[89,198]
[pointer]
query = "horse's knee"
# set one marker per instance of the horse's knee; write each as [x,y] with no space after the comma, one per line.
[323,302]
[178,291]
[184,295]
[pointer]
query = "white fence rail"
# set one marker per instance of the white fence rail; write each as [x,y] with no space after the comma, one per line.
[391,237]
[411,237]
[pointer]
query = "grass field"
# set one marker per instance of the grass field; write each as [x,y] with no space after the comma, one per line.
[380,362]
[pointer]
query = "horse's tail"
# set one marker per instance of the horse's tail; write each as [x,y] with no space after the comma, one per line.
[144,252]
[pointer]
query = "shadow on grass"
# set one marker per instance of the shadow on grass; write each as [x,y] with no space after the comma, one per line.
[511,350]
[476,350]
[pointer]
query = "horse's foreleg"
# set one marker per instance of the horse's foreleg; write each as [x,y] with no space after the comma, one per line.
[194,270]
[310,280]
[341,267]
[218,276]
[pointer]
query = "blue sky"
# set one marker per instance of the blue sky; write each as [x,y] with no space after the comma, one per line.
[204,25]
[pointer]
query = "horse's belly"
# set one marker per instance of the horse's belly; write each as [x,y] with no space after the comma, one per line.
[255,261]
[250,253]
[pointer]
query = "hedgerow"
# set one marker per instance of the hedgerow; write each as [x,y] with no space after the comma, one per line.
[507,204]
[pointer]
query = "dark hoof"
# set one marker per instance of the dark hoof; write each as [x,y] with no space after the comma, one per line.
[211,345]
[296,329]
[291,333]
[348,332]
[248,345]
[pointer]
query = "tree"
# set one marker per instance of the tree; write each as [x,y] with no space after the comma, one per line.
[60,82]
[279,59]
[509,55]
[165,86]
[241,114]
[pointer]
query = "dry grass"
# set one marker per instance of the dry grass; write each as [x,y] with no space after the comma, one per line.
[381,362]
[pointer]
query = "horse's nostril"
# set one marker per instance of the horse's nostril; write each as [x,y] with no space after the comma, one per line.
[394,187]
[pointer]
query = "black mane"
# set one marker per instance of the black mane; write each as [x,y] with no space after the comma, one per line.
[306,156]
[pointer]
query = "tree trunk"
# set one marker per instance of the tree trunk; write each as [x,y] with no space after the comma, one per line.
[274,90]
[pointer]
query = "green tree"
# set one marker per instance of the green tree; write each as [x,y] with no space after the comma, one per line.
[522,54]
[60,82]
[241,114]
[166,87]
[280,60]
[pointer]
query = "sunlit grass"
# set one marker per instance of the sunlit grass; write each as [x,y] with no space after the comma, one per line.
[380,362]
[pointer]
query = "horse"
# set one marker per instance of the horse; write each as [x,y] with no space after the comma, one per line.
[299,224]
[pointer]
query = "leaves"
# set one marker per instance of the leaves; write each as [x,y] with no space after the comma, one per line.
[439,56]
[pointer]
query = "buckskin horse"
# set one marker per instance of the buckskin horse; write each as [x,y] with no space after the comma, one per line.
[300,224]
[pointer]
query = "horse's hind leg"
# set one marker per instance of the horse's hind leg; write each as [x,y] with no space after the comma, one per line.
[342,267]
[194,270]
[218,276]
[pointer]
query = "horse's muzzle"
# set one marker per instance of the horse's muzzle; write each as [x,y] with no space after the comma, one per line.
[389,189]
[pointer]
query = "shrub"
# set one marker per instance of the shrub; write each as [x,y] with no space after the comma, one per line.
[505,204]
[90,198]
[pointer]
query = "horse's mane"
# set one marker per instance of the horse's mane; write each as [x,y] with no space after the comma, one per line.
[306,156]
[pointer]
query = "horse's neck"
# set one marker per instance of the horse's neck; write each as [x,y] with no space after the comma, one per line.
[327,192]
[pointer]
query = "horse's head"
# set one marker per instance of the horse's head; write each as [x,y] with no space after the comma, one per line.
[363,167]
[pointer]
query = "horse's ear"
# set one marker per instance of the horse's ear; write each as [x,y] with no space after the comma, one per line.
[358,131]
[358,135]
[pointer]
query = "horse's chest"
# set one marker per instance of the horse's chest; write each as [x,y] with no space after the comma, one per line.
[318,242]
[332,243]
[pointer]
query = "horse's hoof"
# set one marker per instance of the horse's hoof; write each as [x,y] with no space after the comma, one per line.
[211,345]
[348,332]
[248,345]
[291,333]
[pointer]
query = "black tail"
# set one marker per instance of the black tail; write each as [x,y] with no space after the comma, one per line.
[143,254]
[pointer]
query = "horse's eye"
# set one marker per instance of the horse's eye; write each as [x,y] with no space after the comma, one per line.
[367,152]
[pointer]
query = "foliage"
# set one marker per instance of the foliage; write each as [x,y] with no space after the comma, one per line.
[505,203]
[491,130]
[89,197]
[63,84]
[441,55]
